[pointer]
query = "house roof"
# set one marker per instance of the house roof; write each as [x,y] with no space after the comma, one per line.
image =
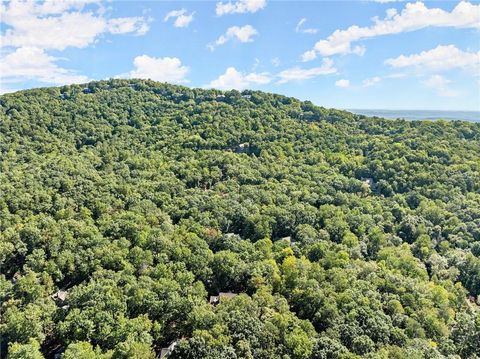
[61,295]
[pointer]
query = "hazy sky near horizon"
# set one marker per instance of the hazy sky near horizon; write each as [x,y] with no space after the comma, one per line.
[347,54]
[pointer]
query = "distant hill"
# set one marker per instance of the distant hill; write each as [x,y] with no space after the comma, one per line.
[126,204]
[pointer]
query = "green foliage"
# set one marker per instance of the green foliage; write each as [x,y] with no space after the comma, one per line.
[124,207]
[30,350]
[80,350]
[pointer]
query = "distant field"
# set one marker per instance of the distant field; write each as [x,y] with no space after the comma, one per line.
[472,116]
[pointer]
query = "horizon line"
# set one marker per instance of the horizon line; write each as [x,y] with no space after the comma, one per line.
[407,109]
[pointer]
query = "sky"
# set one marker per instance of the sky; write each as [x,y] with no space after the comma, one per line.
[365,54]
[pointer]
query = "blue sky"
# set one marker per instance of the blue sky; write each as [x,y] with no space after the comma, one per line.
[345,54]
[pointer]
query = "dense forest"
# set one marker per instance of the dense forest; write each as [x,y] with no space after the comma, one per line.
[126,204]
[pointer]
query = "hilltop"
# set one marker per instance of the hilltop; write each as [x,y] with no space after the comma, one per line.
[126,204]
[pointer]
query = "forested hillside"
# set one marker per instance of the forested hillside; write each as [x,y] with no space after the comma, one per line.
[126,204]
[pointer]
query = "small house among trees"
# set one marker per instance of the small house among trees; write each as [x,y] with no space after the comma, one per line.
[60,295]
[216,299]
[368,181]
[242,147]
[287,238]
[165,352]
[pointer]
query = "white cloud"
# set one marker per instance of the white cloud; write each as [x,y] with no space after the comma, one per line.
[391,13]
[342,83]
[164,69]
[4,90]
[298,74]
[275,62]
[125,25]
[239,7]
[242,34]
[32,63]
[33,27]
[182,19]
[262,78]
[58,25]
[312,54]
[59,32]
[413,17]
[309,55]
[441,86]
[233,79]
[371,81]
[299,24]
[439,58]
[59,6]
[174,13]
[299,28]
